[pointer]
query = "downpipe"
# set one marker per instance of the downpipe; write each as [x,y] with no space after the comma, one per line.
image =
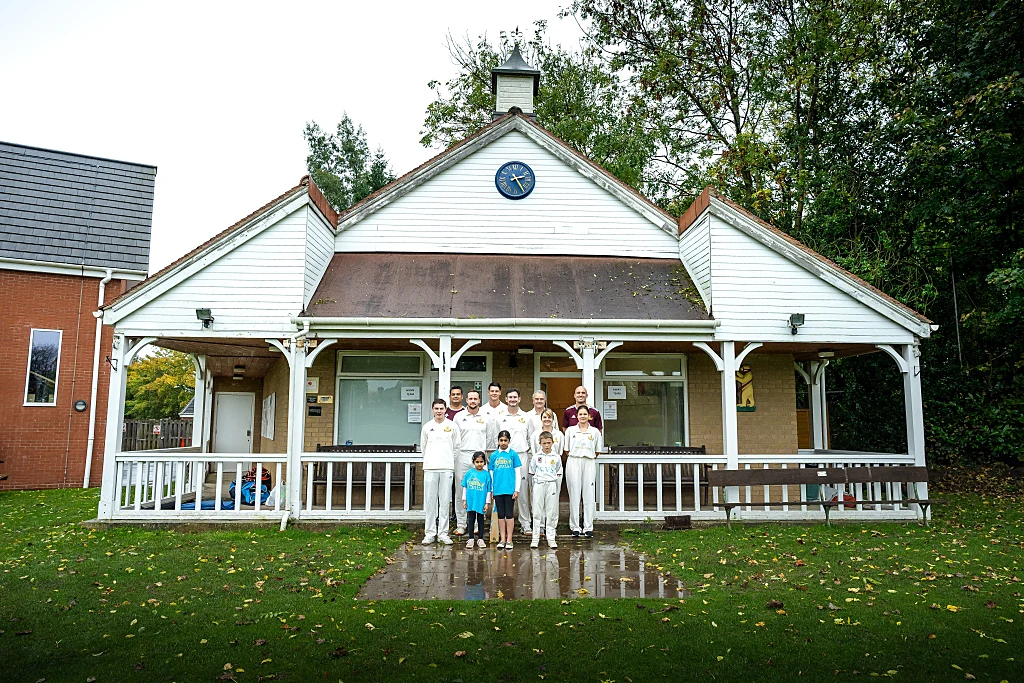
[98,314]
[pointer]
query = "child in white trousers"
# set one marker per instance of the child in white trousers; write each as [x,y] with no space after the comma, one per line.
[546,472]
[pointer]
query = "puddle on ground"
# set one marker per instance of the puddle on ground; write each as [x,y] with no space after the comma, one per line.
[599,567]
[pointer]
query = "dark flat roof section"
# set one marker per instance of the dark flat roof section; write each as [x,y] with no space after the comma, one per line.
[387,285]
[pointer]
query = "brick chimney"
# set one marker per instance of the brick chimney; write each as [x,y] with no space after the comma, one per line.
[514,84]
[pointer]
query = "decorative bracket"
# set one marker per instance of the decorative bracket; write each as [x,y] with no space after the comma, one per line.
[465,347]
[715,358]
[747,349]
[577,358]
[896,356]
[609,347]
[434,358]
[323,344]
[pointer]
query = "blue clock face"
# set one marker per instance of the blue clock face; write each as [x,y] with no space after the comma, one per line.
[515,180]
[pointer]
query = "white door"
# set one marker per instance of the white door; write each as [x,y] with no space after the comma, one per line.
[232,422]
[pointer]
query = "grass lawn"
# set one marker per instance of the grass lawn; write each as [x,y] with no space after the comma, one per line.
[901,601]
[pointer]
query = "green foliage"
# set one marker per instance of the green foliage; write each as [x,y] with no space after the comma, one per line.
[159,385]
[341,164]
[581,100]
[888,137]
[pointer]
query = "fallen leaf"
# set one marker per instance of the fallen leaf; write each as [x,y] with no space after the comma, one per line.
[460,653]
[465,634]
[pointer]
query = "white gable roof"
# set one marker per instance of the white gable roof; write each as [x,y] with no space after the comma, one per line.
[450,204]
[752,276]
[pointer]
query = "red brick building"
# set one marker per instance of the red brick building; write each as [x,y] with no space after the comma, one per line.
[74,234]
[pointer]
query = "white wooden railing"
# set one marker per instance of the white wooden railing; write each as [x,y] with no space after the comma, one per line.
[641,487]
[361,486]
[172,483]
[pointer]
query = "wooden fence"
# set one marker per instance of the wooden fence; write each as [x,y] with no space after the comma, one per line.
[146,435]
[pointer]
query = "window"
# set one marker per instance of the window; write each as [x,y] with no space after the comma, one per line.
[380,398]
[43,363]
[375,411]
[382,364]
[644,401]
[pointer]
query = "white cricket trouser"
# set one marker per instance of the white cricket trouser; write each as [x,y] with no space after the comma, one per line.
[580,479]
[437,496]
[463,464]
[525,496]
[545,508]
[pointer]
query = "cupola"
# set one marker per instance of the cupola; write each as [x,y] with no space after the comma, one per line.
[514,84]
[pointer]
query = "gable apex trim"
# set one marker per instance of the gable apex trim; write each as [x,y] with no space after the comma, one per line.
[488,134]
[818,265]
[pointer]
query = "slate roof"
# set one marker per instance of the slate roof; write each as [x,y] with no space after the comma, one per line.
[466,286]
[74,209]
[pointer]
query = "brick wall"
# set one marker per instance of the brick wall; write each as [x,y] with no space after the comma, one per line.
[520,377]
[45,446]
[321,429]
[769,429]
[276,382]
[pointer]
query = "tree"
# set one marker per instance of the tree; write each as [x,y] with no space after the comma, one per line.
[159,385]
[580,100]
[341,164]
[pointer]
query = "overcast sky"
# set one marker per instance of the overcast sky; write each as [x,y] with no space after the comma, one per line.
[216,94]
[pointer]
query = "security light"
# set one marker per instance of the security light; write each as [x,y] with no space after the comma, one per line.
[525,350]
[205,315]
[826,353]
[795,320]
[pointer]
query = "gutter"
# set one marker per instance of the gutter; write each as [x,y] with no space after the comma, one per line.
[477,323]
[98,314]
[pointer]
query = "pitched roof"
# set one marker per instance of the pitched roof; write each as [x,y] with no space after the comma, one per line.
[74,209]
[703,202]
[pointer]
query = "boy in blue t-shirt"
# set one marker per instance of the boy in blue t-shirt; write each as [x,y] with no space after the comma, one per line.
[476,494]
[504,467]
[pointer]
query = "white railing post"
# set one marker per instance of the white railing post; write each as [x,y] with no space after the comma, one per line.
[730,434]
[199,399]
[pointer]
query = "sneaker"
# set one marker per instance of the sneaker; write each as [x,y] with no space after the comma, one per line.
[589,534]
[575,534]
[535,544]
[428,540]
[551,543]
[500,545]
[481,543]
[460,531]
[508,545]
[527,532]
[469,544]
[444,538]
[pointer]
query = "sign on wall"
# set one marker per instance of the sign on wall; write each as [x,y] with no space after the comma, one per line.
[269,417]
[312,385]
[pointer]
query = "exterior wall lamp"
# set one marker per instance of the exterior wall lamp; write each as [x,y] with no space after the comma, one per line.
[795,320]
[205,315]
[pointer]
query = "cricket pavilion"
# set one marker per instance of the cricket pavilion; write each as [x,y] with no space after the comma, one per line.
[319,340]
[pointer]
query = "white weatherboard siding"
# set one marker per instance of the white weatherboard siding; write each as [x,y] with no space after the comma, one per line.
[460,210]
[756,289]
[319,251]
[256,286]
[695,253]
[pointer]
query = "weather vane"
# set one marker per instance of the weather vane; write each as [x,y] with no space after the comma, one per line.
[516,35]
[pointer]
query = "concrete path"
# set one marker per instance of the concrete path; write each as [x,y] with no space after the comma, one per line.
[600,567]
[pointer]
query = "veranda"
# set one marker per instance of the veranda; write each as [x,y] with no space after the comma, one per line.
[666,387]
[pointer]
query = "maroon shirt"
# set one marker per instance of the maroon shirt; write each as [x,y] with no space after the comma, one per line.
[450,414]
[572,418]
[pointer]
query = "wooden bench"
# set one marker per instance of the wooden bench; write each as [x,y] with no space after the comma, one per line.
[377,472]
[824,475]
[650,469]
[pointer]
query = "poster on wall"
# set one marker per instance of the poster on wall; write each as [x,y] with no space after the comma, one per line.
[411,394]
[611,410]
[415,412]
[616,392]
[269,415]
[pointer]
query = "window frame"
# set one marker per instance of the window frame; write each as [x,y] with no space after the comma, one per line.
[28,369]
[424,375]
[600,380]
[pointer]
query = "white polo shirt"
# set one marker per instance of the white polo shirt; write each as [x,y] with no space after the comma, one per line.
[583,444]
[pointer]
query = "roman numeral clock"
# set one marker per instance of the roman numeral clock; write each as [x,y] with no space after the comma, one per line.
[514,180]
